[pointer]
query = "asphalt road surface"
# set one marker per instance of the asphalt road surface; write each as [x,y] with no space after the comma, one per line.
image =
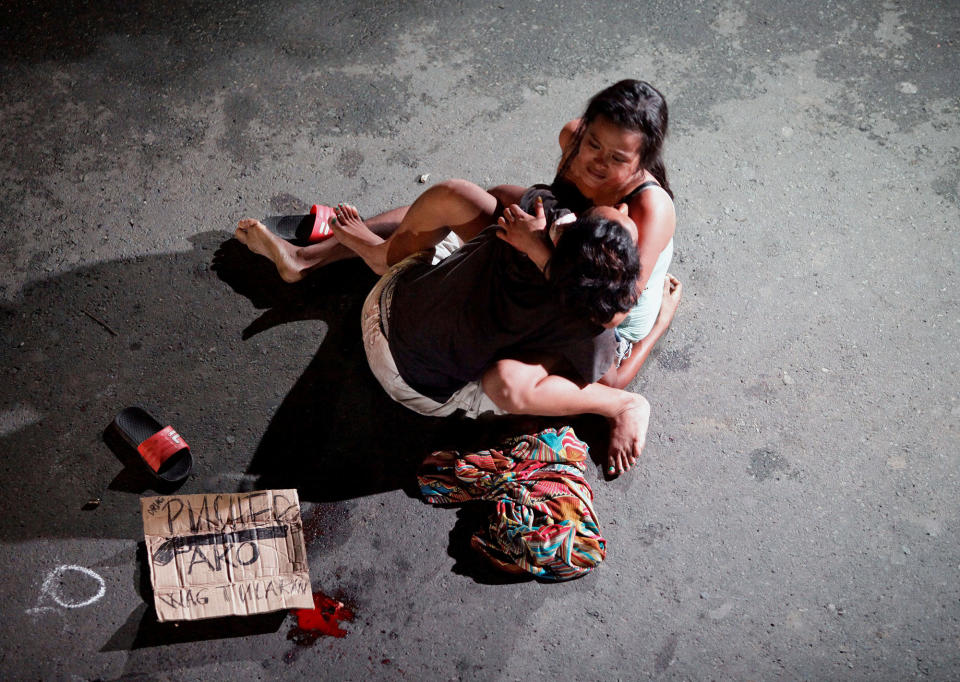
[794,515]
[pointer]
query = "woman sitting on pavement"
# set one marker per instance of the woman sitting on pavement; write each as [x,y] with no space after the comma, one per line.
[611,155]
[528,343]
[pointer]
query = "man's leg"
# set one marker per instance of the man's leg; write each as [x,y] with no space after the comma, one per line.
[525,388]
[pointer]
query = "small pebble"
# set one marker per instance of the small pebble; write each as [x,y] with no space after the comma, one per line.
[231,440]
[787,379]
[423,178]
[722,611]
[907,88]
[906,550]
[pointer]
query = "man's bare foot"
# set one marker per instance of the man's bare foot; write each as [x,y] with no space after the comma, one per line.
[628,433]
[262,241]
[353,233]
[672,293]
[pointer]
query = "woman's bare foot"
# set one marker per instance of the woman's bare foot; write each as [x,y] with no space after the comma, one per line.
[262,241]
[353,233]
[628,433]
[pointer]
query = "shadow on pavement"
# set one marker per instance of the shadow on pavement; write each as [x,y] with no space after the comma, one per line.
[142,630]
[337,435]
[163,332]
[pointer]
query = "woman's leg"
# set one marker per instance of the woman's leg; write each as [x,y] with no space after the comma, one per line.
[457,205]
[456,192]
[331,250]
[294,262]
[507,194]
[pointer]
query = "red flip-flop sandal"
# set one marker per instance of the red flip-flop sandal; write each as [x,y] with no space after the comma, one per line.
[304,229]
[161,449]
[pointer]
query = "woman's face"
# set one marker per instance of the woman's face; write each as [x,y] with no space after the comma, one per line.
[608,160]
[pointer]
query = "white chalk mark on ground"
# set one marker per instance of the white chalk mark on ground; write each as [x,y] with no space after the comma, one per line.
[17,418]
[51,588]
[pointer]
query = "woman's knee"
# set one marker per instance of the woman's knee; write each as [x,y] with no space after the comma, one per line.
[507,194]
[458,204]
[463,192]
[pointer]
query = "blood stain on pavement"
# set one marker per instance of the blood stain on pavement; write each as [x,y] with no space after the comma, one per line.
[322,620]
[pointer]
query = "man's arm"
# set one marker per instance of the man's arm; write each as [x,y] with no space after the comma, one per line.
[529,388]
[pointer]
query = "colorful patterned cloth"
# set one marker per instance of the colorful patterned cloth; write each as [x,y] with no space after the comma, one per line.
[544,522]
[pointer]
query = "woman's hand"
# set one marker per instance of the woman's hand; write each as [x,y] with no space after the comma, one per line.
[526,233]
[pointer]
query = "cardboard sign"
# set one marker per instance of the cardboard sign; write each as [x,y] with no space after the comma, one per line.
[226,554]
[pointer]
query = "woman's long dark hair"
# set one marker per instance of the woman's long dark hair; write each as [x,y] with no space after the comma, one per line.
[633,105]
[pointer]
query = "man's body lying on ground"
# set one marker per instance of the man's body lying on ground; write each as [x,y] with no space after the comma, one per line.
[484,329]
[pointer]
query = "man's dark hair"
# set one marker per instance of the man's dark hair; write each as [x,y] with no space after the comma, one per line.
[595,268]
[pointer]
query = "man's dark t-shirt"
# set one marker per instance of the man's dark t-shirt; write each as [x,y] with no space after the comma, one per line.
[487,301]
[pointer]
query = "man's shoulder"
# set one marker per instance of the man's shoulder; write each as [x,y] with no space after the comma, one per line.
[489,245]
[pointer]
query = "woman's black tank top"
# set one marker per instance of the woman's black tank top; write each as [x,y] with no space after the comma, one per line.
[569,196]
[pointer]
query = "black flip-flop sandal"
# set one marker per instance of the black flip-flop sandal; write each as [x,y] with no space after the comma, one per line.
[304,229]
[162,450]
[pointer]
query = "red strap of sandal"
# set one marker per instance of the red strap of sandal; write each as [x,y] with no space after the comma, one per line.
[161,446]
[321,223]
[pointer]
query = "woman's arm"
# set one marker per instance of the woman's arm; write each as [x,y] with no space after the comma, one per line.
[506,194]
[620,377]
[567,133]
[653,212]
